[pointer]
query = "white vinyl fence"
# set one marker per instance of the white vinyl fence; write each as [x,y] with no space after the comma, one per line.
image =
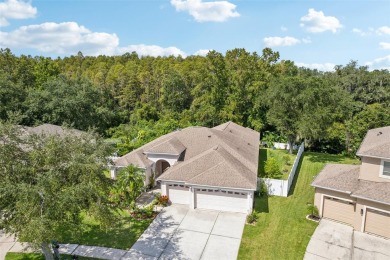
[282,187]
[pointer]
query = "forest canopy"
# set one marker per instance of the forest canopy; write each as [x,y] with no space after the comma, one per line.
[132,100]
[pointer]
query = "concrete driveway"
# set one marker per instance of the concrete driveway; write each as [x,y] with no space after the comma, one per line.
[332,240]
[180,233]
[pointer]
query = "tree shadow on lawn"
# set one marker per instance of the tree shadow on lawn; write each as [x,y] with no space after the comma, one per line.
[262,159]
[325,158]
[121,235]
[295,179]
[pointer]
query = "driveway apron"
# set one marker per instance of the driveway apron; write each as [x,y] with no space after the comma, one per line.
[180,233]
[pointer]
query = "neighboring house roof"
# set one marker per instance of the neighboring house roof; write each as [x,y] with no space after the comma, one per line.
[345,178]
[204,151]
[374,191]
[376,143]
[340,177]
[49,129]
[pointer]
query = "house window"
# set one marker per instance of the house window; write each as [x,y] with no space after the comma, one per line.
[386,169]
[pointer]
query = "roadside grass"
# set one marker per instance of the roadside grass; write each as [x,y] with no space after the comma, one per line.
[122,235]
[38,256]
[278,154]
[282,231]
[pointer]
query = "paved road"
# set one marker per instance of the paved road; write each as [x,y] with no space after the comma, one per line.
[180,233]
[332,240]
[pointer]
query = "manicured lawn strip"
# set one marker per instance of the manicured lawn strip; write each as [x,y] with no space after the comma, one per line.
[282,232]
[37,256]
[124,233]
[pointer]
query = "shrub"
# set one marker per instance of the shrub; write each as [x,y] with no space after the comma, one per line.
[286,159]
[312,209]
[272,168]
[163,200]
[263,189]
[252,218]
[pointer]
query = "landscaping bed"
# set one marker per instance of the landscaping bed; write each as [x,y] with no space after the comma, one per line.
[282,230]
[282,160]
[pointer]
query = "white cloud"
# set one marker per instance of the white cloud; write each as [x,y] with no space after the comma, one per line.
[319,66]
[217,11]
[68,38]
[60,38]
[284,29]
[385,45]
[14,9]
[379,63]
[152,50]
[202,52]
[360,32]
[280,41]
[316,22]
[383,30]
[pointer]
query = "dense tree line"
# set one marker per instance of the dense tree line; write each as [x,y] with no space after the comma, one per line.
[135,99]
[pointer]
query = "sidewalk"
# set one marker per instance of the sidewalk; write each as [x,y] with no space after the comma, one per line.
[7,244]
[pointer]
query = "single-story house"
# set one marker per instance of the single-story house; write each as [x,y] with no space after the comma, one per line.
[359,195]
[208,168]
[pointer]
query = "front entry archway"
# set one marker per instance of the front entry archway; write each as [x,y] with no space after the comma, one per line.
[161,166]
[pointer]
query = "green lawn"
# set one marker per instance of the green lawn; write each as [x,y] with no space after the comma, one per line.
[122,235]
[282,232]
[37,256]
[278,154]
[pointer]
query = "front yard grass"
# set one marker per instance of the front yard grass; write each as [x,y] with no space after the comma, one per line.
[122,235]
[281,231]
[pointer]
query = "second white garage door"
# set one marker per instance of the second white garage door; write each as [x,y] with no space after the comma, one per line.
[221,200]
[339,210]
[178,194]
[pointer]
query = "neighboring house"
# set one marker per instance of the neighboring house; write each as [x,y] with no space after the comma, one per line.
[209,168]
[49,129]
[359,195]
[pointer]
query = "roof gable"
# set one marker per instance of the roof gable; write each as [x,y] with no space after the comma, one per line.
[376,143]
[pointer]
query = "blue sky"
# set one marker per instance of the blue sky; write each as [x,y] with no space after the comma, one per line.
[316,34]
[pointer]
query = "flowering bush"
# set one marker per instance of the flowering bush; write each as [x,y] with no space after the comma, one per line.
[163,200]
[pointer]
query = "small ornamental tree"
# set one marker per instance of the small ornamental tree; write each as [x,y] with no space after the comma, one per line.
[48,180]
[272,168]
[128,186]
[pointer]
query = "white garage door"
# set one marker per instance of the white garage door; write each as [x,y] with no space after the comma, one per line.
[377,223]
[179,194]
[221,200]
[339,210]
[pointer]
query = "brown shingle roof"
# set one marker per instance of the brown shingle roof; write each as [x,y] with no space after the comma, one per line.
[214,167]
[170,146]
[345,178]
[376,191]
[239,142]
[376,143]
[340,177]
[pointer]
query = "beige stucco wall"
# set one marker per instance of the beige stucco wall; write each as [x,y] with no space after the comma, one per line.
[370,170]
